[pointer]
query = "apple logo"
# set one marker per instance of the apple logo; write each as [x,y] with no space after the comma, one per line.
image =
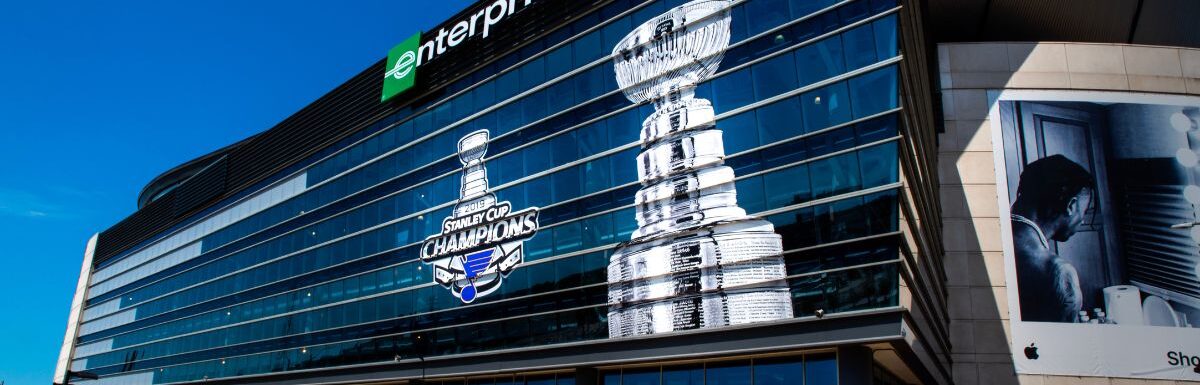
[1031,351]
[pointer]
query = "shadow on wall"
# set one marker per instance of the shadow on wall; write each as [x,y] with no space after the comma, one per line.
[978,300]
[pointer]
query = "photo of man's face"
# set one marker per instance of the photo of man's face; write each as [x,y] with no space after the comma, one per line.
[1076,212]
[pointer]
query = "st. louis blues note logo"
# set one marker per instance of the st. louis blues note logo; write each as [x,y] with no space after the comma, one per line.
[482,240]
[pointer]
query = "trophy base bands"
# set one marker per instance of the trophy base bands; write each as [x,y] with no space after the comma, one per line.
[703,311]
[727,245]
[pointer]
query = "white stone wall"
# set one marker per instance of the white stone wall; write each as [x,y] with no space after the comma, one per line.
[978,300]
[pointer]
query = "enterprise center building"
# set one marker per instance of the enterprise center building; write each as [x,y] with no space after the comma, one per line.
[576,192]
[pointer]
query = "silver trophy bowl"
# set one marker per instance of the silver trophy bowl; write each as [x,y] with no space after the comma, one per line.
[673,51]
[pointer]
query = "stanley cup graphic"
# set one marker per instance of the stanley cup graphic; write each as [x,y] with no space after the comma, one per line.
[696,260]
[482,239]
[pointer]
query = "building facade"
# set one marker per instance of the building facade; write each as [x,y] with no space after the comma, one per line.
[542,197]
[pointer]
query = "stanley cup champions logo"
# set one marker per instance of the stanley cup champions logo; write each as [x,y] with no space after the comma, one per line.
[482,240]
[696,260]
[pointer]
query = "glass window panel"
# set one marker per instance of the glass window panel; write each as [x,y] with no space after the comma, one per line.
[836,175]
[624,128]
[750,194]
[767,14]
[879,165]
[598,231]
[561,96]
[787,187]
[779,120]
[874,92]
[540,246]
[558,62]
[740,132]
[566,184]
[597,175]
[647,376]
[587,48]
[567,238]
[801,8]
[728,373]
[825,107]
[593,139]
[774,76]
[730,91]
[563,148]
[615,31]
[820,369]
[779,371]
[533,73]
[886,44]
[508,85]
[859,46]
[683,375]
[534,107]
[820,61]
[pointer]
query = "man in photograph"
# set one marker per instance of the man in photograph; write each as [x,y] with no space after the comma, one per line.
[1053,196]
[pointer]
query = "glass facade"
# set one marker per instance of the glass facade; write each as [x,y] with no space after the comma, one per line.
[808,98]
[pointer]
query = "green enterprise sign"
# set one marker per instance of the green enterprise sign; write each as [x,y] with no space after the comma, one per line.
[401,67]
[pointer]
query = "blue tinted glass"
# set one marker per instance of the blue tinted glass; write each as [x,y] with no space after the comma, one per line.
[732,91]
[587,48]
[820,61]
[610,378]
[566,184]
[508,85]
[740,132]
[684,375]
[886,45]
[836,175]
[750,194]
[879,165]
[820,370]
[623,128]
[540,246]
[538,192]
[767,14]
[558,62]
[738,28]
[649,11]
[641,377]
[564,148]
[875,92]
[593,139]
[561,96]
[825,107]
[597,175]
[774,76]
[485,94]
[597,231]
[590,83]
[802,8]
[533,73]
[728,374]
[538,157]
[615,31]
[779,120]
[779,371]
[534,107]
[859,46]
[508,118]
[626,224]
[787,187]
[625,167]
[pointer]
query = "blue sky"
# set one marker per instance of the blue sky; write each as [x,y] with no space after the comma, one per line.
[97,98]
